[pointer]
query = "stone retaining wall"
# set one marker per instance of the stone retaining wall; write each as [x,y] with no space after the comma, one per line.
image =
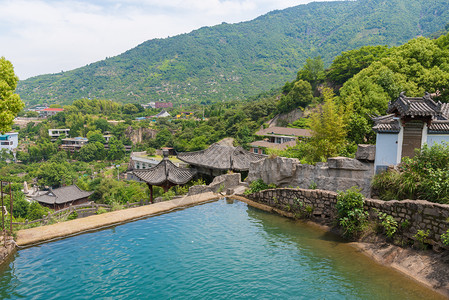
[411,215]
[337,174]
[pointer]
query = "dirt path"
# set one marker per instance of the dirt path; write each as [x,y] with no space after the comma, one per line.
[28,237]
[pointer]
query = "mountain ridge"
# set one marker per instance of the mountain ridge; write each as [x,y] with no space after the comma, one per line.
[234,61]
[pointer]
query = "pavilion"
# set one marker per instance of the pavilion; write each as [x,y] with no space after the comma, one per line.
[165,174]
[220,158]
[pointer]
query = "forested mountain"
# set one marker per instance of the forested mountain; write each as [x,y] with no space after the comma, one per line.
[233,61]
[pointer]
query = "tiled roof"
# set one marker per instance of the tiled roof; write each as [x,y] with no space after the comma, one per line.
[165,171]
[284,131]
[269,145]
[62,195]
[414,107]
[221,157]
[386,124]
[411,106]
[439,126]
[53,109]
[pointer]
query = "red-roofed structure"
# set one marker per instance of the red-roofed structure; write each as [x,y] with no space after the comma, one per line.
[50,111]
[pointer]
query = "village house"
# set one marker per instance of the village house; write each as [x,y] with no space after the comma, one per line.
[63,197]
[73,144]
[56,133]
[411,123]
[9,141]
[49,112]
[278,138]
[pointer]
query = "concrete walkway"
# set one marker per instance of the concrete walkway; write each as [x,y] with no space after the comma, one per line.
[28,237]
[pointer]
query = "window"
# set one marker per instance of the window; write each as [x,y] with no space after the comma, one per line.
[256,150]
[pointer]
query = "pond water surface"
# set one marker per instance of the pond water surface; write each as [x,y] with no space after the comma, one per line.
[219,250]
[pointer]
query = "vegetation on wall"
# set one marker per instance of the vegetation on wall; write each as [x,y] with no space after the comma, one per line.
[425,177]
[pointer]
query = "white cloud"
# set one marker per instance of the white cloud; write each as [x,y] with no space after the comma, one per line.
[47,36]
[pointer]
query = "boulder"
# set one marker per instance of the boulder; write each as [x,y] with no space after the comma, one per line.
[366,152]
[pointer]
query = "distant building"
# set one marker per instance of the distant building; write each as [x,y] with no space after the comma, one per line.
[163,105]
[55,133]
[73,144]
[63,197]
[9,141]
[49,112]
[162,114]
[278,138]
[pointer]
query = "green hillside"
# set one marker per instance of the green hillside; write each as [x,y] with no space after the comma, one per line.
[233,61]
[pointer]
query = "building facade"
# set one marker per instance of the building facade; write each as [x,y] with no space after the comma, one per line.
[411,123]
[9,141]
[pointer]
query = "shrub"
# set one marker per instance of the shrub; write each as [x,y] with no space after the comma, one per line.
[425,176]
[351,215]
[258,185]
[73,216]
[421,237]
[389,224]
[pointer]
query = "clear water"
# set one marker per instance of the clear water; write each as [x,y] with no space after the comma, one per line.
[219,250]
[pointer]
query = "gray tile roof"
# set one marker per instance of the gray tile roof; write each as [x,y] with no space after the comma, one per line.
[63,195]
[165,171]
[221,157]
[272,131]
[269,145]
[437,112]
[412,106]
[386,124]
[439,126]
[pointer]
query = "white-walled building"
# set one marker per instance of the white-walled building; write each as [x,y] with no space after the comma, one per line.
[55,133]
[9,141]
[411,123]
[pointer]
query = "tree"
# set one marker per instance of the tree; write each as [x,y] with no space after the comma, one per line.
[130,108]
[55,174]
[116,149]
[328,129]
[349,63]
[313,72]
[299,96]
[10,103]
[95,136]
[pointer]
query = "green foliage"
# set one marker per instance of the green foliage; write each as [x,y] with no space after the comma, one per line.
[312,72]
[351,62]
[425,176]
[328,129]
[10,103]
[445,238]
[389,224]
[55,174]
[257,186]
[351,215]
[421,237]
[73,216]
[232,61]
[21,207]
[300,95]
[313,185]
[36,211]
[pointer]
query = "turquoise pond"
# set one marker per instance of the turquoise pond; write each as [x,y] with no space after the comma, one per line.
[219,250]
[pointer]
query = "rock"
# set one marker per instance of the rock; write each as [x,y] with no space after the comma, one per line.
[346,163]
[366,152]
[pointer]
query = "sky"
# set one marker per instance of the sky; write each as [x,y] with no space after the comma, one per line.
[50,36]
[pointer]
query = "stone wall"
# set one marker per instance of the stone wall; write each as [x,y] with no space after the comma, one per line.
[411,215]
[337,174]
